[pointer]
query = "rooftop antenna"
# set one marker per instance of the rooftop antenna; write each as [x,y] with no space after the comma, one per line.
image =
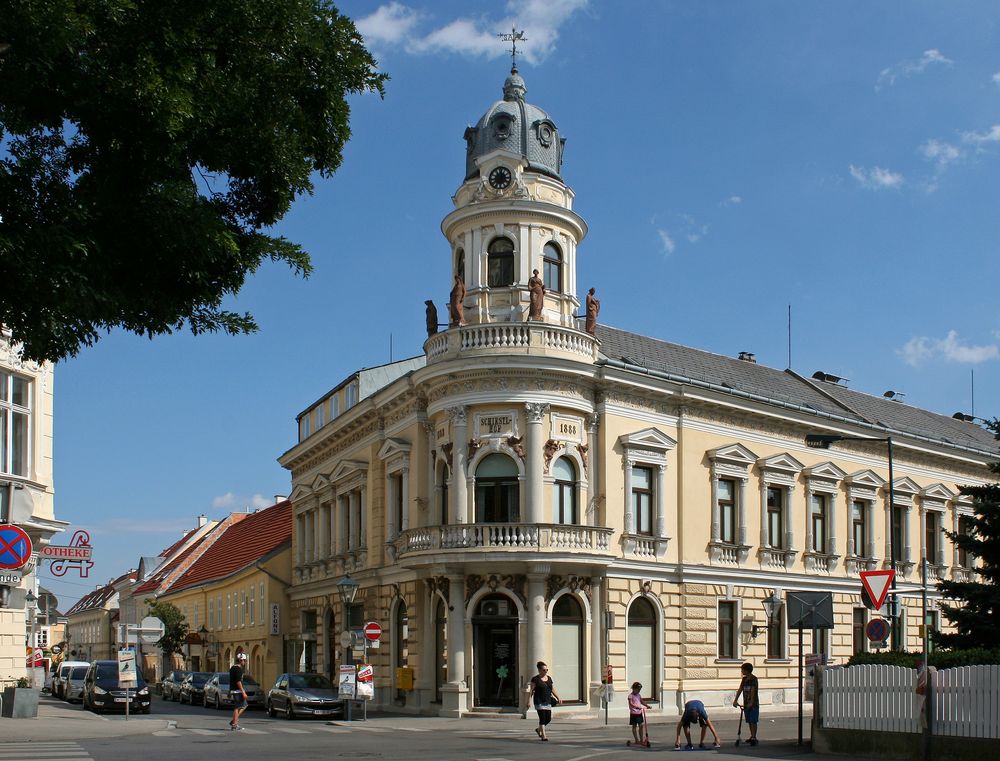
[512,38]
[972,381]
[390,348]
[789,336]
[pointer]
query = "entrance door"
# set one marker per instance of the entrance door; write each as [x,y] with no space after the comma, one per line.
[495,643]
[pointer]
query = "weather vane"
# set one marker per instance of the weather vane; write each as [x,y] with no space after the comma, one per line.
[512,38]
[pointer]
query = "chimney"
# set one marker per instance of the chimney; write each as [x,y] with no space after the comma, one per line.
[747,356]
[202,520]
[279,498]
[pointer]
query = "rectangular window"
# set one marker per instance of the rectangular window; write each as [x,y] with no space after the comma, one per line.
[776,636]
[859,528]
[727,630]
[727,511]
[229,611]
[351,395]
[251,608]
[817,517]
[304,427]
[931,535]
[898,530]
[15,416]
[218,613]
[902,628]
[397,498]
[775,518]
[858,638]
[965,558]
[211,613]
[5,497]
[334,406]
[821,641]
[262,618]
[642,499]
[243,608]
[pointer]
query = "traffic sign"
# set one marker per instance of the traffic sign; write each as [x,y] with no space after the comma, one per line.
[877,630]
[373,631]
[151,630]
[126,668]
[346,638]
[876,584]
[15,547]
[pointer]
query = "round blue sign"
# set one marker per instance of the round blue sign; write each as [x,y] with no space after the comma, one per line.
[877,630]
[15,547]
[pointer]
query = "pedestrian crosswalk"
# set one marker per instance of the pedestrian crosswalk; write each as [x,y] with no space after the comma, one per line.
[43,751]
[274,728]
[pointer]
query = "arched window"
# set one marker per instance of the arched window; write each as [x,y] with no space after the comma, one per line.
[640,646]
[564,492]
[496,490]
[552,266]
[442,489]
[568,647]
[460,263]
[500,263]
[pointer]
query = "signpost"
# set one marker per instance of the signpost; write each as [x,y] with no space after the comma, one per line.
[808,610]
[126,675]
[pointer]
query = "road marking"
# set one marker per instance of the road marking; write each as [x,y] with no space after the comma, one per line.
[362,728]
[198,731]
[334,730]
[43,751]
[592,755]
[290,731]
[411,729]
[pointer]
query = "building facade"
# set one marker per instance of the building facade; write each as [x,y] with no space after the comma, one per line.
[92,623]
[537,488]
[26,487]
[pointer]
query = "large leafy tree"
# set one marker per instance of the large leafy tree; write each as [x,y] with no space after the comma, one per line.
[147,147]
[175,627]
[977,618]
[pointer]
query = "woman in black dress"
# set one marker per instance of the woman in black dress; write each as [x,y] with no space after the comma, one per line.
[542,693]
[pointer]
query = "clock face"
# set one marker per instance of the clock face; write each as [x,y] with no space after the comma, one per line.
[500,178]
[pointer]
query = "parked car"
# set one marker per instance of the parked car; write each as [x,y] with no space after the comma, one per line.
[192,689]
[59,677]
[103,692]
[73,691]
[170,687]
[217,691]
[302,694]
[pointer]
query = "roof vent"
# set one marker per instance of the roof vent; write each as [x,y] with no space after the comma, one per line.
[896,396]
[827,378]
[202,520]
[747,356]
[964,418]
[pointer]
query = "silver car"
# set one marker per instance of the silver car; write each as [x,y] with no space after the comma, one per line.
[304,694]
[72,685]
[217,691]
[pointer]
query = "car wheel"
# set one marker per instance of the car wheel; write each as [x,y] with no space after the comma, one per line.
[147,709]
[218,702]
[289,713]
[181,700]
[270,709]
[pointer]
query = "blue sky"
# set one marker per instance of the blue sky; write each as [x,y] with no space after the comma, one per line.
[731,158]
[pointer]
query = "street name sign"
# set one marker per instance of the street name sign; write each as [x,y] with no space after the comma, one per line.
[10,577]
[876,584]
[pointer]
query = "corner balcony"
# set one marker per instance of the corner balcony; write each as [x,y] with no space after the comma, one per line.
[527,338]
[470,541]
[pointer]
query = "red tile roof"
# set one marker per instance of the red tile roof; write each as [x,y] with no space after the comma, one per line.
[241,545]
[173,567]
[100,596]
[176,545]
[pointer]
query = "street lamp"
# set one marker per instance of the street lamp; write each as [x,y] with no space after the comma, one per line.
[348,589]
[772,608]
[823,441]
[31,603]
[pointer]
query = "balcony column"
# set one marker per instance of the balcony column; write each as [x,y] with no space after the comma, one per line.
[592,518]
[716,518]
[809,518]
[597,634]
[661,502]
[535,461]
[741,509]
[831,525]
[870,529]
[454,694]
[790,527]
[404,485]
[343,509]
[536,621]
[905,555]
[629,502]
[362,516]
[459,491]
[352,520]
[432,513]
[763,514]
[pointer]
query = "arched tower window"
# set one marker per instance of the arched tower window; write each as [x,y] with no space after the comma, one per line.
[460,263]
[496,490]
[564,492]
[552,266]
[500,263]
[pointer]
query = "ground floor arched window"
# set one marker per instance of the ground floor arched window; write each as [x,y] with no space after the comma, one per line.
[640,647]
[568,648]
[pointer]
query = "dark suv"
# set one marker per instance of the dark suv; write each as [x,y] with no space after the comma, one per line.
[102,692]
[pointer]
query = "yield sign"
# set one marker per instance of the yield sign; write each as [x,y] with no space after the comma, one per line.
[877,585]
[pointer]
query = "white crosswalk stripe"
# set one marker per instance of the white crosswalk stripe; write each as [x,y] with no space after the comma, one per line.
[43,751]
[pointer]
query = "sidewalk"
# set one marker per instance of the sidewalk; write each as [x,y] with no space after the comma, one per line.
[58,720]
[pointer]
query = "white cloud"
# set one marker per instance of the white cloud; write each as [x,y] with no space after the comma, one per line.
[397,25]
[876,178]
[668,243]
[388,24]
[119,526]
[731,201]
[235,502]
[940,153]
[979,139]
[951,348]
[889,75]
[996,78]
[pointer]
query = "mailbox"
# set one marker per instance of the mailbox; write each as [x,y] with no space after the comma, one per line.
[404,678]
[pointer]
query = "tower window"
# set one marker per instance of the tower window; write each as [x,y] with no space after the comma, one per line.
[552,266]
[460,263]
[500,263]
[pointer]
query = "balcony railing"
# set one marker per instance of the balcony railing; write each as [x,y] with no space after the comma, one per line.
[507,337]
[503,536]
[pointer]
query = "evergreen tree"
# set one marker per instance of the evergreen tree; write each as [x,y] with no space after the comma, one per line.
[977,617]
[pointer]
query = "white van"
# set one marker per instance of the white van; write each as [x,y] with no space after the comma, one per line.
[60,680]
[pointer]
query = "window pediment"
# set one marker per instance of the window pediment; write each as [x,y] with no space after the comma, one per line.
[395,453]
[825,471]
[348,469]
[648,439]
[780,465]
[865,479]
[300,493]
[935,496]
[319,483]
[733,454]
[903,490]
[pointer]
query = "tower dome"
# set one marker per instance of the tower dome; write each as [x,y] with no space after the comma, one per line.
[518,127]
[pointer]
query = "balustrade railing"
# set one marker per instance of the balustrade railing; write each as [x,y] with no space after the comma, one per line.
[488,536]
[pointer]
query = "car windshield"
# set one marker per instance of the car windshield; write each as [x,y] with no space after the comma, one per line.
[309,682]
[79,672]
[200,678]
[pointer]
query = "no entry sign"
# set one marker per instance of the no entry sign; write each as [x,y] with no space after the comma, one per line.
[373,631]
[15,547]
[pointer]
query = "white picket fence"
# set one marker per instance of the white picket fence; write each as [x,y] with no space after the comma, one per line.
[966,700]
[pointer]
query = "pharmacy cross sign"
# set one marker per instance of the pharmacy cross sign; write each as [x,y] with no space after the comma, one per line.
[512,38]
[15,547]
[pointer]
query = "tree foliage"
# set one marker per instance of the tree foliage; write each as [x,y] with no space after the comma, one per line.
[977,618]
[175,627]
[941,659]
[147,148]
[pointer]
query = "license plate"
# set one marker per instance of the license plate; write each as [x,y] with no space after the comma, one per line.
[323,712]
[121,700]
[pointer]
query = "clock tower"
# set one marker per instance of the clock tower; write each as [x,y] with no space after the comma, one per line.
[514,215]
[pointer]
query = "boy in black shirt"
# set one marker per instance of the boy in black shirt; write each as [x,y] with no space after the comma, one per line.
[236,691]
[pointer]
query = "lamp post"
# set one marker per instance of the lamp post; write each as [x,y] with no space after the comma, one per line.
[31,603]
[348,589]
[772,608]
[203,636]
[823,441]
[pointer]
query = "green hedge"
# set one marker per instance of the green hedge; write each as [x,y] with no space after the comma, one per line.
[942,659]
